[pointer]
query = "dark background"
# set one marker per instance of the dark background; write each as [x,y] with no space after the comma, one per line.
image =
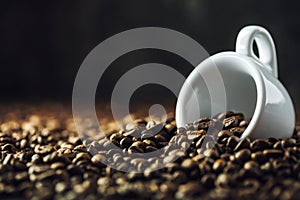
[43,43]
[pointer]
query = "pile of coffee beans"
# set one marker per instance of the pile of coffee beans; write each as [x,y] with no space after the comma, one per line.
[42,157]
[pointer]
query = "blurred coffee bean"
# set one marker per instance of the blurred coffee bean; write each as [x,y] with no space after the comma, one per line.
[225,180]
[273,153]
[244,123]
[230,122]
[242,156]
[259,145]
[219,165]
[259,157]
[223,115]
[242,144]
[232,141]
[188,190]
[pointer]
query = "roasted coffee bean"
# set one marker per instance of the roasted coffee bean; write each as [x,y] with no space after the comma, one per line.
[146,135]
[242,144]
[219,165]
[208,180]
[272,141]
[202,123]
[225,180]
[242,155]
[9,148]
[80,148]
[288,142]
[211,153]
[170,128]
[148,142]
[273,153]
[222,135]
[251,165]
[259,145]
[150,149]
[179,177]
[225,156]
[189,164]
[125,142]
[168,188]
[244,123]
[192,189]
[237,131]
[229,122]
[135,149]
[259,157]
[278,145]
[250,187]
[116,137]
[231,168]
[232,141]
[223,115]
[138,144]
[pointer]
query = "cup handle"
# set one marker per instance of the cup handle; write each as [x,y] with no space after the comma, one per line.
[265,45]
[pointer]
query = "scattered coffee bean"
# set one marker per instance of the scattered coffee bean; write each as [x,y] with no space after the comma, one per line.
[259,145]
[242,155]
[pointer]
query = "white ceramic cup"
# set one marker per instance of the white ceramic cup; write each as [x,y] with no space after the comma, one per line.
[241,82]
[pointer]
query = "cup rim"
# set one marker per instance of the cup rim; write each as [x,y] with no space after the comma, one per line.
[252,67]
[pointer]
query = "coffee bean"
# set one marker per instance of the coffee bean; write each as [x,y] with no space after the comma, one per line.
[237,131]
[192,189]
[179,177]
[259,157]
[244,123]
[202,123]
[9,148]
[222,135]
[208,180]
[242,144]
[272,141]
[230,122]
[211,153]
[225,180]
[138,144]
[8,160]
[272,153]
[250,187]
[278,145]
[169,188]
[146,135]
[223,115]
[148,142]
[57,165]
[259,145]
[189,164]
[170,128]
[251,165]
[231,168]
[135,149]
[219,165]
[150,149]
[242,155]
[288,142]
[232,141]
